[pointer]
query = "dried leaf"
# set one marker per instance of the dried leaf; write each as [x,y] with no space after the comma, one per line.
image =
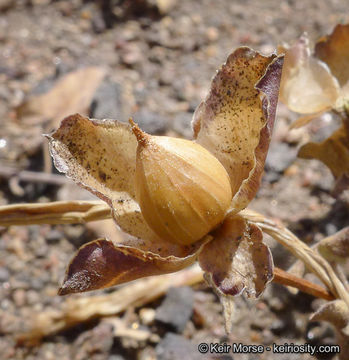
[100,155]
[336,312]
[335,247]
[305,120]
[334,51]
[101,263]
[236,259]
[307,85]
[73,93]
[236,119]
[333,152]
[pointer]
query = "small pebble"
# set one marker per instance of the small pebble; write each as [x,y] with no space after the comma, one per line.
[147,316]
[19,297]
[177,308]
[4,274]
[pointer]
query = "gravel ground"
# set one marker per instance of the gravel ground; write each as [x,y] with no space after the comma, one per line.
[159,65]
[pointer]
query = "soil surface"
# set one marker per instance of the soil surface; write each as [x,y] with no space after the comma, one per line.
[159,58]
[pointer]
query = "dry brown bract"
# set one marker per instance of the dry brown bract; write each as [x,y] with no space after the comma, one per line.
[234,124]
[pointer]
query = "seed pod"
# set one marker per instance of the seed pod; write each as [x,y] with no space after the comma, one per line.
[182,189]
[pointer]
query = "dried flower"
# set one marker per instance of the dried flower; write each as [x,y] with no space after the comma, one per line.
[232,130]
[315,83]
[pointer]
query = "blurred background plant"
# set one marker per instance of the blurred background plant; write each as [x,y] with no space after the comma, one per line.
[316,84]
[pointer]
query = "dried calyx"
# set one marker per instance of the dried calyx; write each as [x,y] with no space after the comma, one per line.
[183,190]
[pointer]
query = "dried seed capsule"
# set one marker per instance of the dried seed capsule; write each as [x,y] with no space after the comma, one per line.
[182,189]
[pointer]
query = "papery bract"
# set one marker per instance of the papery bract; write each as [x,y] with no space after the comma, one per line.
[333,152]
[307,85]
[234,124]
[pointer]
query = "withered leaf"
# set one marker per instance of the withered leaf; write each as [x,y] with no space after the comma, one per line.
[306,119]
[334,51]
[307,85]
[101,263]
[333,152]
[335,247]
[336,312]
[100,155]
[72,93]
[237,260]
[235,121]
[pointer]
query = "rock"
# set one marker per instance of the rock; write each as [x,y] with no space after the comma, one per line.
[212,34]
[276,304]
[280,157]
[318,331]
[176,347]
[147,316]
[278,326]
[98,23]
[6,4]
[150,122]
[107,102]
[33,297]
[53,236]
[116,357]
[148,353]
[165,6]
[182,125]
[131,53]
[76,234]
[99,340]
[36,283]
[19,297]
[4,274]
[331,229]
[176,309]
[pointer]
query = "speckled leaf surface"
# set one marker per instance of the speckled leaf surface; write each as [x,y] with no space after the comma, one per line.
[101,263]
[334,51]
[236,119]
[100,155]
[237,260]
[307,85]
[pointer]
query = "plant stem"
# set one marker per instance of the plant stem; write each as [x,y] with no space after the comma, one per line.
[58,212]
[72,212]
[284,278]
